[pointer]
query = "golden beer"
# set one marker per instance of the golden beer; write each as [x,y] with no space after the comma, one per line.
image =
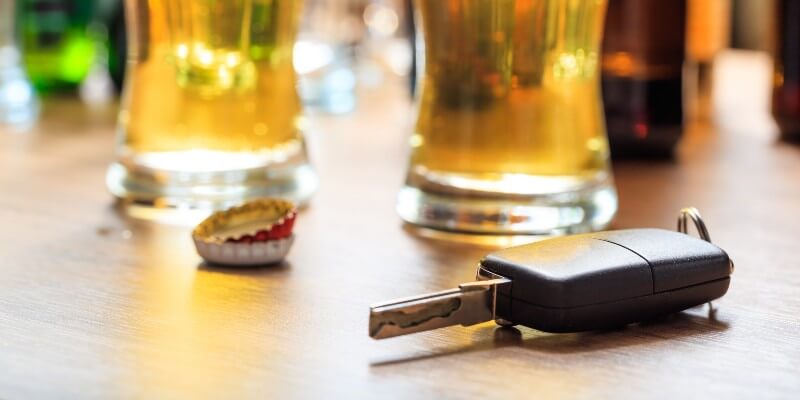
[509,134]
[210,112]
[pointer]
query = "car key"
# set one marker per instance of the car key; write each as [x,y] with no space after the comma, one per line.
[574,283]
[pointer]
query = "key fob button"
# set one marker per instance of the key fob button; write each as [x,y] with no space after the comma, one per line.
[678,260]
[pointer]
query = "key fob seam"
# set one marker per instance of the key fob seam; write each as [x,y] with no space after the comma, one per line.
[652,272]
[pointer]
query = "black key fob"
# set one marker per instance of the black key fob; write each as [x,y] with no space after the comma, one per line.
[606,279]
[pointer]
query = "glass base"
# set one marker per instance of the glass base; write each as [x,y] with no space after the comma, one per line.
[151,188]
[587,207]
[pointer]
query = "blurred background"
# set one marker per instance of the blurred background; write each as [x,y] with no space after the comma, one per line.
[77,48]
[659,64]
[660,61]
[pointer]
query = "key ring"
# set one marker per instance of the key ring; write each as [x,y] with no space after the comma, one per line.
[702,231]
[694,214]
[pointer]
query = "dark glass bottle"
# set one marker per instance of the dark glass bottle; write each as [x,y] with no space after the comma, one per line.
[117,46]
[786,92]
[642,76]
[412,38]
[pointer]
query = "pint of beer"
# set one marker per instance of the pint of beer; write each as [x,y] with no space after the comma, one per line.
[210,114]
[509,134]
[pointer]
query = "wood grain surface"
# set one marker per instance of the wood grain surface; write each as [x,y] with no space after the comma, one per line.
[94,304]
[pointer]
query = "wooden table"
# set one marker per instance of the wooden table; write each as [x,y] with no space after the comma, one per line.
[97,305]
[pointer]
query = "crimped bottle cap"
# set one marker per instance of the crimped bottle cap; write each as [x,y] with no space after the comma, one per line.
[258,232]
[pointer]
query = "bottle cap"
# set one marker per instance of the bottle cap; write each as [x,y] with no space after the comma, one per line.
[258,232]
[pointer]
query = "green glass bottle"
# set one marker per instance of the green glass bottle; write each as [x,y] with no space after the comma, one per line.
[57,41]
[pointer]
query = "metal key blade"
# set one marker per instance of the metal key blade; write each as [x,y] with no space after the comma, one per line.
[470,304]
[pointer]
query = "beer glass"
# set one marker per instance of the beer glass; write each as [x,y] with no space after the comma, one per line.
[210,115]
[509,134]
